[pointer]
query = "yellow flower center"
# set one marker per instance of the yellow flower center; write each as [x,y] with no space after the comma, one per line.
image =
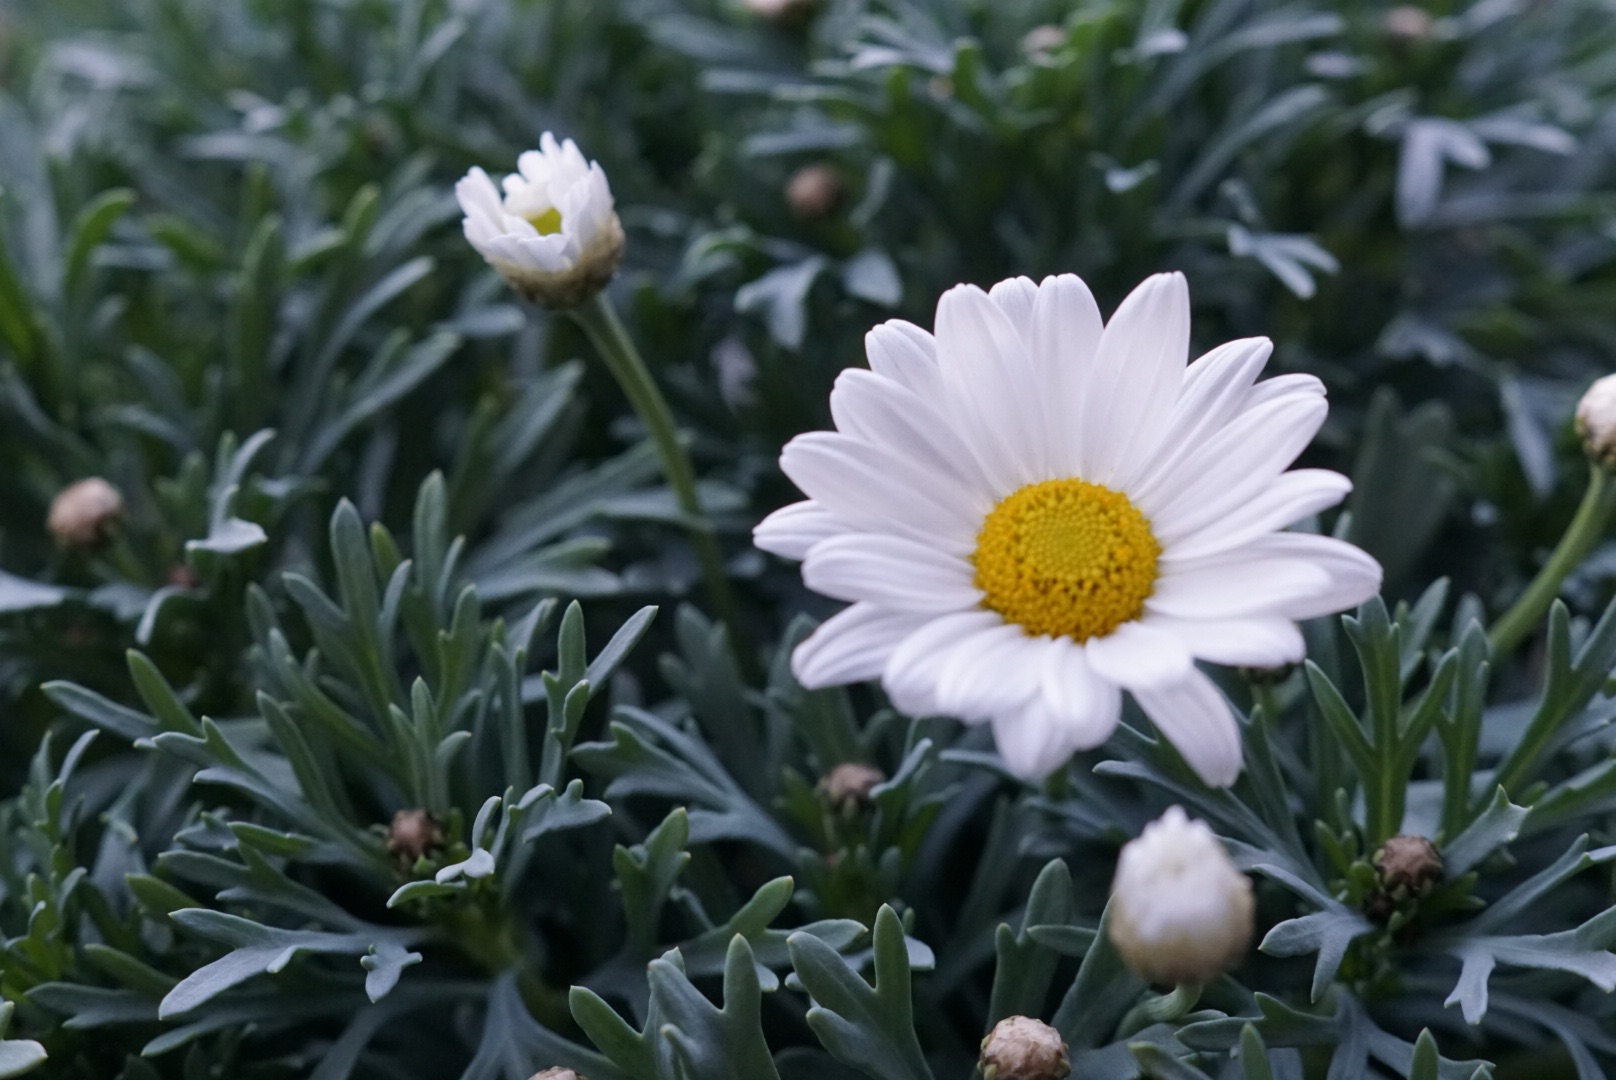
[548,222]
[1066,557]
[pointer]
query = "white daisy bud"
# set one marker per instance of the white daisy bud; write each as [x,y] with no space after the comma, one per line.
[554,234]
[1180,910]
[1021,1048]
[556,1074]
[1596,421]
[83,515]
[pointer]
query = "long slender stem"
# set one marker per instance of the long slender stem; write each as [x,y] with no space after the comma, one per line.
[1579,539]
[599,320]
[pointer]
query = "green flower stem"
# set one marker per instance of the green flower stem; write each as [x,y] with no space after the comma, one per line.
[1160,1010]
[599,320]
[1579,539]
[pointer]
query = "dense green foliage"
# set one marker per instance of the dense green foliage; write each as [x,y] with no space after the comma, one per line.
[365,487]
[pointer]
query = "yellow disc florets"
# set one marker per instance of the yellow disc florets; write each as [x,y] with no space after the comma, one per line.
[548,223]
[1066,558]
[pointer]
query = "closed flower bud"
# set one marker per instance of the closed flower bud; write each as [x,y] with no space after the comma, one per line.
[557,1074]
[1040,41]
[850,784]
[553,235]
[1408,866]
[414,833]
[84,515]
[1408,23]
[814,190]
[1596,421]
[1021,1048]
[1180,910]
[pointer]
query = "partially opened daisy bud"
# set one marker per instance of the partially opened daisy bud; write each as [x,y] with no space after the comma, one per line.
[553,234]
[1021,1048]
[1596,421]
[83,515]
[1180,910]
[1034,510]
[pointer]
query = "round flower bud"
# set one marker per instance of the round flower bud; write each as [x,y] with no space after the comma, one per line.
[1408,23]
[1021,1048]
[1408,866]
[554,235]
[1040,41]
[850,784]
[1596,421]
[1180,910]
[814,191]
[557,1074]
[413,834]
[83,515]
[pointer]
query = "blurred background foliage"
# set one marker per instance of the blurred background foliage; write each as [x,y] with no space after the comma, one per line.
[232,282]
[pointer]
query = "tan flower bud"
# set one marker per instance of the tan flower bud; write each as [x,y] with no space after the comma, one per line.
[1409,865]
[1040,41]
[1021,1048]
[1181,912]
[814,191]
[414,833]
[84,515]
[1408,23]
[1596,421]
[850,784]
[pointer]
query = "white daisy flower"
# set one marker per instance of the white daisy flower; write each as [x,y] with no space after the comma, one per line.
[1032,512]
[554,234]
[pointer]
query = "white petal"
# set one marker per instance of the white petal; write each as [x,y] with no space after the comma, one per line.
[893,572]
[477,195]
[1234,587]
[1015,298]
[1214,392]
[1252,642]
[1066,328]
[1291,497]
[874,491]
[990,386]
[1135,655]
[906,354]
[1086,706]
[1354,575]
[1293,575]
[1193,715]
[1138,369]
[995,672]
[916,666]
[791,530]
[1235,465]
[851,646]
[1031,742]
[552,254]
[1282,385]
[883,413]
